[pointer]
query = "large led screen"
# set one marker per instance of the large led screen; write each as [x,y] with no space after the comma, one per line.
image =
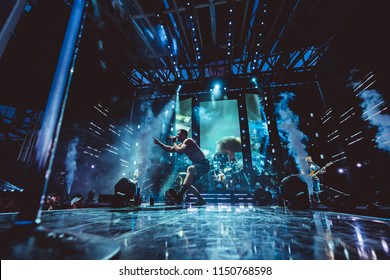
[184,116]
[218,120]
[258,131]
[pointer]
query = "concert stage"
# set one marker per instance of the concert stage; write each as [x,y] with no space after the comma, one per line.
[223,232]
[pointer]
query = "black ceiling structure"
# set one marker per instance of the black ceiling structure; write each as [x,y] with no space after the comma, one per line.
[169,43]
[173,42]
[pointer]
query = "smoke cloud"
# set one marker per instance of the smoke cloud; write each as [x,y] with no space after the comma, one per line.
[371,104]
[371,99]
[70,163]
[132,153]
[288,125]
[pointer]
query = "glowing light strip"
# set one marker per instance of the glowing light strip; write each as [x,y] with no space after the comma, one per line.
[336,155]
[366,88]
[376,113]
[326,120]
[346,112]
[100,111]
[94,130]
[96,126]
[111,146]
[333,133]
[125,143]
[383,135]
[353,135]
[365,80]
[373,107]
[111,151]
[114,132]
[353,142]
[330,140]
[336,160]
[346,118]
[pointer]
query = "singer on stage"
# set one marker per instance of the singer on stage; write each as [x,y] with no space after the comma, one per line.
[200,165]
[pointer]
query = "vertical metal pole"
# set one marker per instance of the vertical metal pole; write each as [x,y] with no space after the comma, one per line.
[46,144]
[10,24]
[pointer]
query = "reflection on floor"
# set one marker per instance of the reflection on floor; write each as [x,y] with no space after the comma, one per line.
[225,232]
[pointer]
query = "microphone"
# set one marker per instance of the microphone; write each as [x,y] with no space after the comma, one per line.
[170,138]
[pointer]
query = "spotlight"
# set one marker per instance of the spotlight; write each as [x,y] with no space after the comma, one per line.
[358,165]
[254,80]
[216,91]
[340,170]
[178,89]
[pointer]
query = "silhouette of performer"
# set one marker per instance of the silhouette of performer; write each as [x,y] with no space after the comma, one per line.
[200,165]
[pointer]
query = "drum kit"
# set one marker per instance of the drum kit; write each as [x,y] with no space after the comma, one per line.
[227,178]
[223,175]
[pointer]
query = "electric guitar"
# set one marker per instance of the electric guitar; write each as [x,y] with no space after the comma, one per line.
[321,170]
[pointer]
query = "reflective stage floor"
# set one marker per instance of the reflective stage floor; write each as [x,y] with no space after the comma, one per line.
[225,232]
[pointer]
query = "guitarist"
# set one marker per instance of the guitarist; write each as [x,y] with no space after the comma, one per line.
[314,170]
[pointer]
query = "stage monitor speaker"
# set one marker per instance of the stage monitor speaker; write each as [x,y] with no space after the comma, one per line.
[124,191]
[294,192]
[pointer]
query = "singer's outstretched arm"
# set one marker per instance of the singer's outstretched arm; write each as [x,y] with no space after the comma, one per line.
[178,148]
[163,146]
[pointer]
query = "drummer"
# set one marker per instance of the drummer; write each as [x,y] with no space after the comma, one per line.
[219,179]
